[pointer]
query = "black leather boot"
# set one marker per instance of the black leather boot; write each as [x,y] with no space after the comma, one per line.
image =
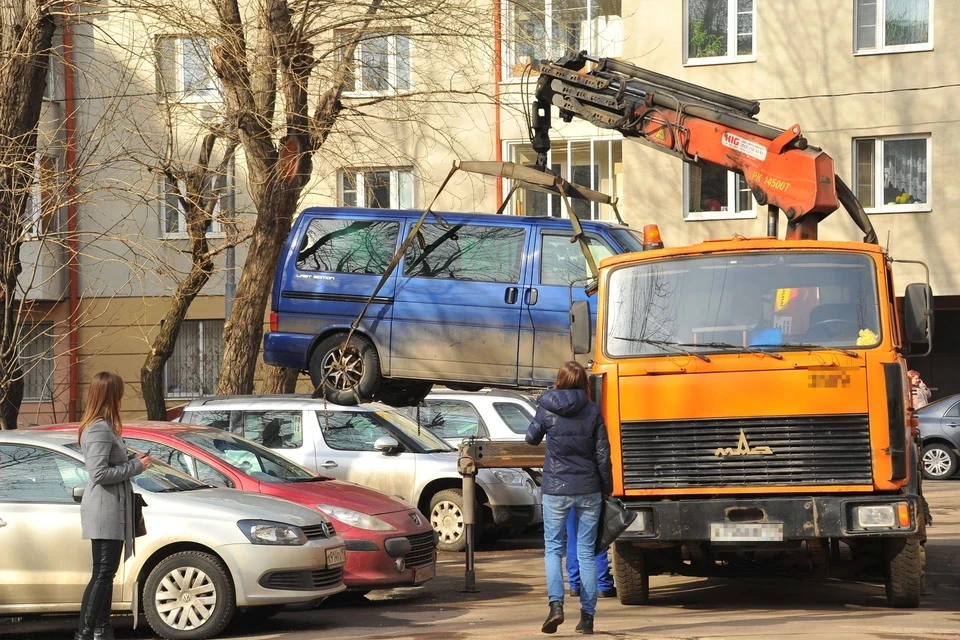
[586,624]
[83,634]
[103,633]
[554,618]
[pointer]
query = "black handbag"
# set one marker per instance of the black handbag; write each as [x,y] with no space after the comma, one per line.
[140,526]
[614,520]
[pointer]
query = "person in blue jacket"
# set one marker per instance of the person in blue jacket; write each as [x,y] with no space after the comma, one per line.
[605,584]
[577,473]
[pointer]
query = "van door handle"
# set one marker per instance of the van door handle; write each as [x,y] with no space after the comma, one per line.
[510,295]
[329,464]
[532,296]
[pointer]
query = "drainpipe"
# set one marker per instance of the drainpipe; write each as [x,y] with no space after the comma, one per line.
[497,78]
[73,271]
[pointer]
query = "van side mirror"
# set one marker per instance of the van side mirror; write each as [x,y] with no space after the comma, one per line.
[580,327]
[918,314]
[386,445]
[77,494]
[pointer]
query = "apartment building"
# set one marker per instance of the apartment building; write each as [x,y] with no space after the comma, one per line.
[872,82]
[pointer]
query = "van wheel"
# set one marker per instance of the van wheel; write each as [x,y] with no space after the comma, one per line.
[403,393]
[188,596]
[463,386]
[345,376]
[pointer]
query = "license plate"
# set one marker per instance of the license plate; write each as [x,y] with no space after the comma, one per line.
[729,532]
[424,573]
[336,557]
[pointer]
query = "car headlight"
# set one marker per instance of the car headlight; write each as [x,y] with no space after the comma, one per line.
[506,476]
[356,518]
[267,532]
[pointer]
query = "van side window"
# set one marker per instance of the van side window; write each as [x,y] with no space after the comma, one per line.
[467,252]
[561,261]
[348,246]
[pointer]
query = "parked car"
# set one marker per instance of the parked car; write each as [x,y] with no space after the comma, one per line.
[389,544]
[377,446]
[479,299]
[940,432]
[207,552]
[455,415]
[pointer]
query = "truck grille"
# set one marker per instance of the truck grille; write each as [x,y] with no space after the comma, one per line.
[804,450]
[421,550]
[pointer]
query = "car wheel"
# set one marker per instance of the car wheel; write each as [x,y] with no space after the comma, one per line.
[939,462]
[345,374]
[188,596]
[446,518]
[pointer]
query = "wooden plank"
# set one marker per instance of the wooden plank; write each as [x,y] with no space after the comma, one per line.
[490,454]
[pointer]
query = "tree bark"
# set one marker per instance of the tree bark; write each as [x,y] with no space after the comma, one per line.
[279,380]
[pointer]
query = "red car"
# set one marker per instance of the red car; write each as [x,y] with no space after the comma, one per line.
[389,543]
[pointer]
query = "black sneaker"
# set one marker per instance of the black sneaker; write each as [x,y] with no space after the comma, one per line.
[554,618]
[586,624]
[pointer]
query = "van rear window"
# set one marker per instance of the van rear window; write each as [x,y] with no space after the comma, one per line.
[467,252]
[348,246]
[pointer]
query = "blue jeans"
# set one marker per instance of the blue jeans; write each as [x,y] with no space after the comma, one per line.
[604,578]
[586,510]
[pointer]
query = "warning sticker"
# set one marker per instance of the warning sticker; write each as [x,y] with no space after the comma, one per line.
[744,146]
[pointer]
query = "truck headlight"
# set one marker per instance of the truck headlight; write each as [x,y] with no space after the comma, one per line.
[507,476]
[274,533]
[876,516]
[356,519]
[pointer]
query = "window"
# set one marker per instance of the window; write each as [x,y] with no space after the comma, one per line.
[550,29]
[467,252]
[953,412]
[208,475]
[185,70]
[451,420]
[41,208]
[37,362]
[274,429]
[176,459]
[893,174]
[884,26]
[717,31]
[596,164]
[562,261]
[33,474]
[515,416]
[173,219]
[215,419]
[348,246]
[351,431]
[377,188]
[193,368]
[713,193]
[382,63]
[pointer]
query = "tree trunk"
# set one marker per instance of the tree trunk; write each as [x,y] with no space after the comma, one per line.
[279,380]
[12,397]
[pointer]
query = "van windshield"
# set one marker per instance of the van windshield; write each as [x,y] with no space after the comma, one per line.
[629,239]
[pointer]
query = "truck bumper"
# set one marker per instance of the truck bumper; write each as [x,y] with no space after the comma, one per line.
[800,517]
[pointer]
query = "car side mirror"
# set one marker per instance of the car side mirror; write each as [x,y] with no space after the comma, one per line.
[580,327]
[918,314]
[386,445]
[77,494]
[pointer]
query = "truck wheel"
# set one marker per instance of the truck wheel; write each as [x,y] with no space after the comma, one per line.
[939,462]
[345,376]
[446,518]
[630,570]
[903,572]
[403,393]
[188,596]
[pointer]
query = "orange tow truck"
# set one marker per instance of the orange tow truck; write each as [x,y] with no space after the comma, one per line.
[754,390]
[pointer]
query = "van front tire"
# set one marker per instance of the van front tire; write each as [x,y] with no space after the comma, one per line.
[345,374]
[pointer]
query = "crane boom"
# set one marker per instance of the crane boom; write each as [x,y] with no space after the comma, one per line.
[700,126]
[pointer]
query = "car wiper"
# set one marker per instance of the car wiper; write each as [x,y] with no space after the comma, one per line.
[807,345]
[310,479]
[666,345]
[727,345]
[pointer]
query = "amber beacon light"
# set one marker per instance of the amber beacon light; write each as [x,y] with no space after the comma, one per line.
[651,237]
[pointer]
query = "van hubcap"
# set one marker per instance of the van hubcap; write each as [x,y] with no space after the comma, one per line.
[186,598]
[342,369]
[447,521]
[936,462]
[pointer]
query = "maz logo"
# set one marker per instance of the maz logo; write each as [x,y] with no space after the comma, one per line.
[743,449]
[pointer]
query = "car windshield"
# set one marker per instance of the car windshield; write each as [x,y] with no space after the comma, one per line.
[248,457]
[736,302]
[426,441]
[160,477]
[629,239]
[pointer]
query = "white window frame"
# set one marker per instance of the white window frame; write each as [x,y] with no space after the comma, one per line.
[701,216]
[39,329]
[34,209]
[178,93]
[361,189]
[881,33]
[392,57]
[878,174]
[216,228]
[732,38]
[507,44]
[597,211]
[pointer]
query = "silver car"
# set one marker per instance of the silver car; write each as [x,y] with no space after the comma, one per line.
[377,446]
[207,553]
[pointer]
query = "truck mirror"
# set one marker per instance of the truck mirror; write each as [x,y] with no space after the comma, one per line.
[580,327]
[918,313]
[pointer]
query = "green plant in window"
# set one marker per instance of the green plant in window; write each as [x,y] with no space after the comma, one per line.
[704,44]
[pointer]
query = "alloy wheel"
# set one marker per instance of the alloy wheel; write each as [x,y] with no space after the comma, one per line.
[343,369]
[447,521]
[186,598]
[936,462]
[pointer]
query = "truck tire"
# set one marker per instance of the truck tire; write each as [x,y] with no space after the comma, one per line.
[206,606]
[630,571]
[903,572]
[939,462]
[446,518]
[360,378]
[403,393]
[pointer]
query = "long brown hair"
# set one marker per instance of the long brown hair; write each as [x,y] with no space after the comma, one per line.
[572,375]
[103,402]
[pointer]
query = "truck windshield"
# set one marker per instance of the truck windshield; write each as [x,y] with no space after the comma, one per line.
[754,301]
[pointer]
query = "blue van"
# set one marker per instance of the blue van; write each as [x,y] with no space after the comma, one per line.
[483,300]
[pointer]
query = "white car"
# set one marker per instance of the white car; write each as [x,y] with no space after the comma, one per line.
[493,414]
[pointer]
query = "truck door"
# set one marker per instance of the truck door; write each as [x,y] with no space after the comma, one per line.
[457,311]
[545,331]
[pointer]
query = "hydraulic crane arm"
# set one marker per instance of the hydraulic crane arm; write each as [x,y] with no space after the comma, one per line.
[699,126]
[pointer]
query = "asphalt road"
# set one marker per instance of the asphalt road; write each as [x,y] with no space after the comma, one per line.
[512,602]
